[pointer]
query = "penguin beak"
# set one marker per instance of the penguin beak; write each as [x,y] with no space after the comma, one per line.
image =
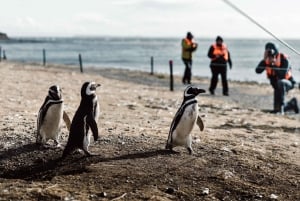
[94,86]
[200,91]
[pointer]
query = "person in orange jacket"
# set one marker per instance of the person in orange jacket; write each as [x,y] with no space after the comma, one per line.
[279,73]
[220,56]
[188,47]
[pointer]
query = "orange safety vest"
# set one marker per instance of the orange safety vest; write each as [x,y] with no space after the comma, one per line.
[270,72]
[220,50]
[188,42]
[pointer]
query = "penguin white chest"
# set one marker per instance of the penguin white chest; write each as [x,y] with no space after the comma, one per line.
[186,123]
[86,137]
[96,108]
[52,121]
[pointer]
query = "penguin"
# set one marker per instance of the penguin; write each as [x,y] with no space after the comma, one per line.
[50,117]
[184,120]
[85,117]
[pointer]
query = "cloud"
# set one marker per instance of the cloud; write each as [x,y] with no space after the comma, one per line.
[92,18]
[27,22]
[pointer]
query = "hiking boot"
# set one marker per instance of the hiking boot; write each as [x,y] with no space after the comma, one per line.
[295,106]
[292,105]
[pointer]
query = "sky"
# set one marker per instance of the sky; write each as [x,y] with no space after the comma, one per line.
[154,18]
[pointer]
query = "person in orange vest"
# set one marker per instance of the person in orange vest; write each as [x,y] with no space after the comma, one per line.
[220,56]
[279,73]
[188,47]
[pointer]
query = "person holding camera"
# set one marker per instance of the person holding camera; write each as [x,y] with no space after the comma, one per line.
[188,47]
[279,73]
[220,56]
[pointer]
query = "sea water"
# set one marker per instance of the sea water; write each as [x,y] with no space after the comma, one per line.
[135,52]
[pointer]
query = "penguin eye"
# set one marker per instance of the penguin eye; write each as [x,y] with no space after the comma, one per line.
[190,91]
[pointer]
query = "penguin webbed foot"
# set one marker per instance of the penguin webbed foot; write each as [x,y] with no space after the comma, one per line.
[169,148]
[88,154]
[190,150]
[57,144]
[42,145]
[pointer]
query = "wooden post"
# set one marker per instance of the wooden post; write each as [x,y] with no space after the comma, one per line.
[44,57]
[80,63]
[171,76]
[152,65]
[4,55]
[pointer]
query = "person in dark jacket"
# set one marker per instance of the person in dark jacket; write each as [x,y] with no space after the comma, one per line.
[279,73]
[220,56]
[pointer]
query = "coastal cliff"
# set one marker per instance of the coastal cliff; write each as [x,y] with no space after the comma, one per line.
[3,36]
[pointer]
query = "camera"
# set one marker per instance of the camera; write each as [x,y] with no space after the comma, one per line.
[270,52]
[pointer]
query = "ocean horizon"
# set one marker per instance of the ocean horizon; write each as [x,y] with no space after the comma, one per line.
[134,53]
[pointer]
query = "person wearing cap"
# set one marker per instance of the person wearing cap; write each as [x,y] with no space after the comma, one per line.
[279,73]
[220,56]
[188,47]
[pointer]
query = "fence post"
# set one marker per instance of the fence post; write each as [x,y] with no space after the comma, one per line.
[171,76]
[152,65]
[4,55]
[44,57]
[80,63]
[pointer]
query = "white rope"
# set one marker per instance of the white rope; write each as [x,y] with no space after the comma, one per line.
[262,27]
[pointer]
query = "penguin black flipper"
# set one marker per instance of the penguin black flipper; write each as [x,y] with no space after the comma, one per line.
[42,114]
[93,125]
[67,120]
[200,123]
[175,121]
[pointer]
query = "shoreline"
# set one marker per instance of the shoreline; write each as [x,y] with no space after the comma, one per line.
[243,93]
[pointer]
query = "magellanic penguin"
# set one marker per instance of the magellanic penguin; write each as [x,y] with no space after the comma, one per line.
[184,120]
[50,117]
[85,117]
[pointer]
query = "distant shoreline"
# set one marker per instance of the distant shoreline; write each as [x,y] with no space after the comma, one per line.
[135,54]
[247,94]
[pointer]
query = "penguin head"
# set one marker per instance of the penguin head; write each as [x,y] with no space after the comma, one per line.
[54,92]
[192,91]
[89,89]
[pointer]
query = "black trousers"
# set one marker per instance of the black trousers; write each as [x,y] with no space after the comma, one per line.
[187,76]
[216,71]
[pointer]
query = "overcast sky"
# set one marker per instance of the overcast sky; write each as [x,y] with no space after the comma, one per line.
[159,18]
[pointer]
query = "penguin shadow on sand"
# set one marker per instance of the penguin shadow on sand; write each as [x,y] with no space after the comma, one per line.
[27,160]
[32,162]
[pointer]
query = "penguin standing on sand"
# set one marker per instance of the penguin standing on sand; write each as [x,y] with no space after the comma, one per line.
[85,117]
[50,117]
[184,120]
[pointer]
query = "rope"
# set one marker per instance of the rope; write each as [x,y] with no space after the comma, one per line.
[259,25]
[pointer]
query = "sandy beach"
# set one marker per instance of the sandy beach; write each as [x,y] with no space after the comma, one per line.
[244,152]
